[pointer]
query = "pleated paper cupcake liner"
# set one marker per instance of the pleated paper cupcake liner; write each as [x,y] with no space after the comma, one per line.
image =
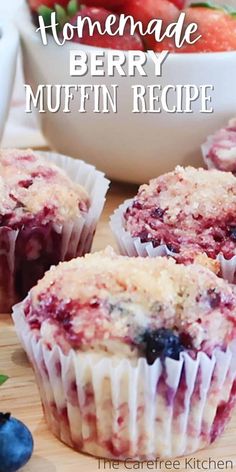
[78,238]
[49,245]
[134,247]
[119,408]
[228,266]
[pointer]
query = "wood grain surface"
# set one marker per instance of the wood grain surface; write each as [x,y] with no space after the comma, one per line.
[20,396]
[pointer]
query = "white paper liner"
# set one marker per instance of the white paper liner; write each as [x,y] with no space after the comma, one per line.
[133,247]
[78,238]
[117,408]
[128,245]
[7,248]
[77,235]
[228,267]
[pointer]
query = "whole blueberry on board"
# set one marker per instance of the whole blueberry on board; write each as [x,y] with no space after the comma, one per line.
[16,443]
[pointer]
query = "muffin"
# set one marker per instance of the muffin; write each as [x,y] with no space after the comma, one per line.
[48,213]
[219,151]
[134,357]
[186,213]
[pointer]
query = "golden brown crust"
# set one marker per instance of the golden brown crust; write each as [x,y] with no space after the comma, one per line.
[112,299]
[29,183]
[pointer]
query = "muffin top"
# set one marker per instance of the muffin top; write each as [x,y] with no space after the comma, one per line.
[33,190]
[132,307]
[190,210]
[222,148]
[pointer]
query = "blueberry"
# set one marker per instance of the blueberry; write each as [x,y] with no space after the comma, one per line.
[232,233]
[16,444]
[162,343]
[157,213]
[137,204]
[214,298]
[143,235]
[172,248]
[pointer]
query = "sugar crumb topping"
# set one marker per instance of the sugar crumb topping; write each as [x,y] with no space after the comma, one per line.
[193,191]
[105,301]
[30,184]
[190,210]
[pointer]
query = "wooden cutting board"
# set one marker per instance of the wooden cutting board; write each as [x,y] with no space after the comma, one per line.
[20,396]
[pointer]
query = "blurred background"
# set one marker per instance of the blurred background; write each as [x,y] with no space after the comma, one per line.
[21,129]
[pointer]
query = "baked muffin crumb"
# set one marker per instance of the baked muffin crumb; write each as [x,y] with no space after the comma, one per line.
[191,211]
[35,191]
[118,305]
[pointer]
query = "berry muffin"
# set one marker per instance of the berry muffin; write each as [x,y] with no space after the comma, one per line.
[134,357]
[219,151]
[185,213]
[45,216]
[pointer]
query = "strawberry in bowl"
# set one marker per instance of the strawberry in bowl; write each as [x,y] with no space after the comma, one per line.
[142,11]
[99,11]
[217,27]
[109,4]
[126,42]
[35,5]
[94,10]
[150,9]
[119,142]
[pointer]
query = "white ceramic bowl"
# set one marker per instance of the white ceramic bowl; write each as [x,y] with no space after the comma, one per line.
[9,42]
[127,146]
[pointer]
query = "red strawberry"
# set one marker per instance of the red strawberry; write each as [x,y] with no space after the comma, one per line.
[217,27]
[179,3]
[147,10]
[126,42]
[36,4]
[109,4]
